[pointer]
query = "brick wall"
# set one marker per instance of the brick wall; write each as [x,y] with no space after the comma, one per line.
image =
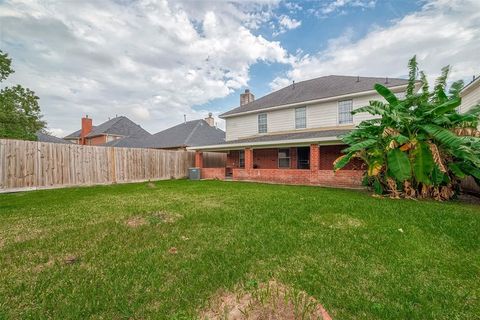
[328,154]
[213,173]
[342,178]
[265,158]
[95,141]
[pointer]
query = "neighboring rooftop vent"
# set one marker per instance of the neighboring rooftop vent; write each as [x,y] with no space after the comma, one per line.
[210,120]
[246,97]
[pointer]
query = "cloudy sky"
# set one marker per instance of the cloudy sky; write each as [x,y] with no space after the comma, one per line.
[155,61]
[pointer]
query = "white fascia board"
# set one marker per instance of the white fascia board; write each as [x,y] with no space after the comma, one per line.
[254,145]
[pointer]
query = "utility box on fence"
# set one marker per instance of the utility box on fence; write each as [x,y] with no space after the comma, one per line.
[194,173]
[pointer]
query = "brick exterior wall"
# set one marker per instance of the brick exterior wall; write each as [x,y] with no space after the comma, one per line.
[266,168]
[199,159]
[213,173]
[342,178]
[328,154]
[95,141]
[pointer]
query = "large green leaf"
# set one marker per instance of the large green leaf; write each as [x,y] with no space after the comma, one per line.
[343,161]
[361,145]
[399,165]
[422,163]
[445,107]
[446,137]
[437,175]
[456,170]
[386,93]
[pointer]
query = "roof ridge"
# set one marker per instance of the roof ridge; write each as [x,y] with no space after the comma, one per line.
[194,129]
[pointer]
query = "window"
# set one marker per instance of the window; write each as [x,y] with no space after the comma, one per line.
[345,112]
[241,159]
[284,158]
[300,118]
[262,123]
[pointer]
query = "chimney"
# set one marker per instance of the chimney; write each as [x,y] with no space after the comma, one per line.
[86,129]
[210,120]
[246,97]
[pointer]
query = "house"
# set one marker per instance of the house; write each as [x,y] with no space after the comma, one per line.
[293,135]
[470,95]
[118,131]
[44,137]
[187,134]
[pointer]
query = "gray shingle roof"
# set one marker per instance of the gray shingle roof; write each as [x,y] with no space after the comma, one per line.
[318,88]
[291,136]
[121,126]
[43,137]
[188,134]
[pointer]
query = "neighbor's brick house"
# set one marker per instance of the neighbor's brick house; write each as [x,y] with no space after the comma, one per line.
[292,135]
[115,132]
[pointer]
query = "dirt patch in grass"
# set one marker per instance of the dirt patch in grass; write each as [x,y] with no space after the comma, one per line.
[153,218]
[338,221]
[271,300]
[164,217]
[135,222]
[150,185]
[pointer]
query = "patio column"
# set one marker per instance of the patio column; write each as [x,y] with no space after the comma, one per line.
[198,159]
[314,157]
[248,159]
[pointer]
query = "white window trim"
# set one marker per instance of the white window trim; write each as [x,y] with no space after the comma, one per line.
[338,114]
[258,123]
[295,117]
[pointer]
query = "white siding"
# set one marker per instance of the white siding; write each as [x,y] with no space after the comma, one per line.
[318,116]
[470,98]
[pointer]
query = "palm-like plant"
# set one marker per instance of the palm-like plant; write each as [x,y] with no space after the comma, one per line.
[419,146]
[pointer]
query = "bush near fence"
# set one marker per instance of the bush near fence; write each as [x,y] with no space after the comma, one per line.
[29,165]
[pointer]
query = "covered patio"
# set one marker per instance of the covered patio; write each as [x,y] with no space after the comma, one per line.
[295,158]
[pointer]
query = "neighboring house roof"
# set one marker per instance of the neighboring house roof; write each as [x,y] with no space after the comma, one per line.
[314,89]
[190,133]
[133,135]
[43,137]
[120,126]
[76,134]
[331,135]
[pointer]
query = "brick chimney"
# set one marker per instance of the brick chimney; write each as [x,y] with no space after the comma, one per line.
[210,120]
[86,129]
[246,97]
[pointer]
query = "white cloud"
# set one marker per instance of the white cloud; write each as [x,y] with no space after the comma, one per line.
[151,60]
[442,32]
[341,4]
[285,23]
[57,132]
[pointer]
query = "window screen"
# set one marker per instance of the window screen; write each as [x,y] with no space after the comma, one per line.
[345,111]
[300,118]
[262,123]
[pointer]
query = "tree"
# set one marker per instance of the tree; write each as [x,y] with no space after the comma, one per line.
[20,115]
[420,146]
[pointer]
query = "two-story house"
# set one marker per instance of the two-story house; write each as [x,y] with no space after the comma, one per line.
[293,135]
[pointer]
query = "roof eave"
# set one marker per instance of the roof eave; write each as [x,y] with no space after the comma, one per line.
[285,143]
[308,102]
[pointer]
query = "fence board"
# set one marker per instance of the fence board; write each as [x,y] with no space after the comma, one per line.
[28,165]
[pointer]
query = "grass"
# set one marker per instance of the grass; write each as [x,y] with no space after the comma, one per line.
[72,253]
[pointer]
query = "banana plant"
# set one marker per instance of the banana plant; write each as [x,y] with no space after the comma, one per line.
[418,146]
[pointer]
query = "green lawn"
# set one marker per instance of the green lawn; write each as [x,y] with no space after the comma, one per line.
[345,248]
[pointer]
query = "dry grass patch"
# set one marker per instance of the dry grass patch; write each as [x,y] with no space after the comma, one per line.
[165,217]
[271,300]
[338,221]
[135,222]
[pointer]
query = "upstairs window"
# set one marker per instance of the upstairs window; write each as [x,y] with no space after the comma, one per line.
[300,118]
[262,123]
[345,109]
[284,158]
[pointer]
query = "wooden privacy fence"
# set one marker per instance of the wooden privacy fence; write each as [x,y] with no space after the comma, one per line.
[26,165]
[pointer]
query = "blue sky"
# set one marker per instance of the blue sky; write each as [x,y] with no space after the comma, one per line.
[155,61]
[312,36]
